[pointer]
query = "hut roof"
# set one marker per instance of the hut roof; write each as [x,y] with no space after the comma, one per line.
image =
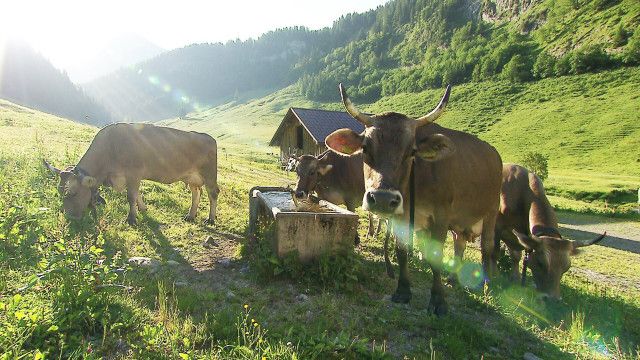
[319,123]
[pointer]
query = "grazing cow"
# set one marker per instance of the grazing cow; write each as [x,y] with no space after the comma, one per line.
[334,178]
[457,185]
[527,221]
[121,155]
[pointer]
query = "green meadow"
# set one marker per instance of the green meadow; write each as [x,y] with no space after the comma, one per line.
[68,290]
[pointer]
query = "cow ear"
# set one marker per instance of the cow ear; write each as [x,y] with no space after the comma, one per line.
[323,170]
[89,181]
[344,141]
[529,242]
[51,168]
[435,147]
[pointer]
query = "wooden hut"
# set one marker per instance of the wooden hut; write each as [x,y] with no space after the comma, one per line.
[302,131]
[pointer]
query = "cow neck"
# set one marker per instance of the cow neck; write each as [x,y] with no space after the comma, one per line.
[541,230]
[88,165]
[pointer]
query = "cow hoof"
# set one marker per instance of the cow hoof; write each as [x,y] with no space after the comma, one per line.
[188,218]
[452,280]
[132,221]
[401,298]
[356,242]
[438,307]
[209,222]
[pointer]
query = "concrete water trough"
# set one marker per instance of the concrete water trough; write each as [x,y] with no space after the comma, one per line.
[310,228]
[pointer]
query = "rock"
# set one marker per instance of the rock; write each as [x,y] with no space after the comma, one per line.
[530,356]
[121,346]
[302,298]
[209,242]
[142,261]
[244,269]
[230,294]
[172,263]
[225,262]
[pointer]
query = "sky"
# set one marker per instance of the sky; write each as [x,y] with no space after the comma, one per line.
[67,30]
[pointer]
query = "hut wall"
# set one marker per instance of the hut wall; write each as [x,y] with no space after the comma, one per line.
[289,142]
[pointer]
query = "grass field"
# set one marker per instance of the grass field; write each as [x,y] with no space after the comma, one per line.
[67,289]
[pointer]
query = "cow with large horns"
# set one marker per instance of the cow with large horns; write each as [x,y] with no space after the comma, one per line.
[121,155]
[527,222]
[456,185]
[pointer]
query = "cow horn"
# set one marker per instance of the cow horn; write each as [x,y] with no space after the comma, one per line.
[51,168]
[351,109]
[581,243]
[437,111]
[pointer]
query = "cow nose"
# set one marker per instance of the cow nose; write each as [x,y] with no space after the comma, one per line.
[299,194]
[384,201]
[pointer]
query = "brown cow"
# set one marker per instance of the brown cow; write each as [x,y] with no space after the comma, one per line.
[457,185]
[334,178]
[337,179]
[526,213]
[121,155]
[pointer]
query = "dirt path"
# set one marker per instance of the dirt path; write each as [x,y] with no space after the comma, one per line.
[622,234]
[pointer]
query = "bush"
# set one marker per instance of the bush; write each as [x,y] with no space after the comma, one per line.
[631,53]
[590,58]
[517,69]
[563,65]
[536,163]
[544,66]
[620,36]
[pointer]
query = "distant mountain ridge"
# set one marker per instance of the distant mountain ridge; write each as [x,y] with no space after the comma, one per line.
[121,51]
[28,79]
[405,46]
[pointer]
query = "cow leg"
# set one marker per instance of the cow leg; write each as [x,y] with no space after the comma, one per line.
[195,201]
[387,262]
[403,291]
[488,247]
[141,205]
[212,193]
[437,304]
[352,208]
[459,246]
[370,230]
[516,256]
[132,196]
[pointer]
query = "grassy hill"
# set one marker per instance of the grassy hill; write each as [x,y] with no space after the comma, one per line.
[403,46]
[586,124]
[67,289]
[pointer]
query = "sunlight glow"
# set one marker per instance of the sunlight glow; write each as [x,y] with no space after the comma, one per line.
[69,32]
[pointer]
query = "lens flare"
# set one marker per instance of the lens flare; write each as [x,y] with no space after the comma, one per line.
[471,275]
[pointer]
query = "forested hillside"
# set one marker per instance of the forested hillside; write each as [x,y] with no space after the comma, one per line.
[403,46]
[27,78]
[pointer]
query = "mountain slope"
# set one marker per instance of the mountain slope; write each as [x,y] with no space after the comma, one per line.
[403,46]
[123,50]
[29,79]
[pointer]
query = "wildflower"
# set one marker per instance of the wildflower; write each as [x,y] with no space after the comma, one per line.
[246,306]
[253,320]
[255,324]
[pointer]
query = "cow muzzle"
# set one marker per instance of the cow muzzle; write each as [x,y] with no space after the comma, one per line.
[383,202]
[301,194]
